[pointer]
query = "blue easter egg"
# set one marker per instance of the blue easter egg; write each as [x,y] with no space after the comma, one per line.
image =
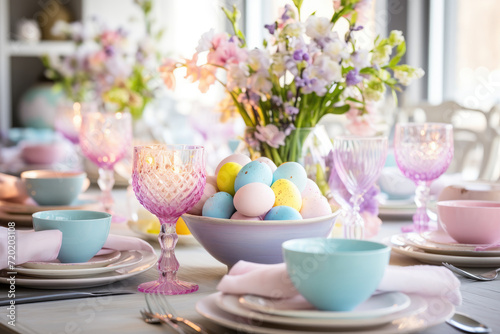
[292,171]
[220,205]
[255,171]
[283,212]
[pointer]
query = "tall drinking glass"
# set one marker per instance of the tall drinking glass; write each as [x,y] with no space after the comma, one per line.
[105,138]
[168,180]
[358,162]
[423,152]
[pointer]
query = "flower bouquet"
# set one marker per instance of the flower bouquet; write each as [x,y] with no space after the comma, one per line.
[303,72]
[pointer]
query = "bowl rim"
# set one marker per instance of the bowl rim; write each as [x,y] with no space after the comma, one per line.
[454,203]
[222,221]
[105,215]
[383,247]
[45,174]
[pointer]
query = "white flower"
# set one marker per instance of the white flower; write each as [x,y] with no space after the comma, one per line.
[278,67]
[205,42]
[406,76]
[60,28]
[258,60]
[381,54]
[327,69]
[319,27]
[260,82]
[361,59]
[396,37]
[293,29]
[237,75]
[336,50]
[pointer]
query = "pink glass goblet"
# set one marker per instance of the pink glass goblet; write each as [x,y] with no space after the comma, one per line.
[105,139]
[168,180]
[358,162]
[423,152]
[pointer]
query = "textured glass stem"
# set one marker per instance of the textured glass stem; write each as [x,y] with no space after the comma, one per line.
[420,218]
[354,226]
[168,264]
[106,182]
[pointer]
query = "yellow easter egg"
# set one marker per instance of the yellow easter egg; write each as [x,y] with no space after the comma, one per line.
[181,227]
[226,176]
[287,193]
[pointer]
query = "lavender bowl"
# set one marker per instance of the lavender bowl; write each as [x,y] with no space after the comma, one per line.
[231,240]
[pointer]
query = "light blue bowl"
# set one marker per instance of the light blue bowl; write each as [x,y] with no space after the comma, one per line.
[53,187]
[84,232]
[335,274]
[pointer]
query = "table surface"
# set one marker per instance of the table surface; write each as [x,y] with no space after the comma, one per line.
[120,314]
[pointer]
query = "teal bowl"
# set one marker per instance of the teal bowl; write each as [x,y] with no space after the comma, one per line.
[48,187]
[83,232]
[335,274]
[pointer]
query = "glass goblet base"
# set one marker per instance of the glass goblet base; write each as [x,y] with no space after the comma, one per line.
[168,288]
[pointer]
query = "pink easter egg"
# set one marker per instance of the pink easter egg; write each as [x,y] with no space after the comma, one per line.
[208,192]
[315,206]
[237,157]
[212,179]
[239,216]
[254,199]
[268,162]
[311,189]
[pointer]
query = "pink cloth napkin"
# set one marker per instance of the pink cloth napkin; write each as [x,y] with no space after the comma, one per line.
[272,280]
[45,245]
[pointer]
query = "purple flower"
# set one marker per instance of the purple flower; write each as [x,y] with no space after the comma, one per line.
[109,50]
[353,77]
[271,135]
[289,95]
[300,55]
[285,16]
[271,28]
[291,110]
[276,100]
[357,28]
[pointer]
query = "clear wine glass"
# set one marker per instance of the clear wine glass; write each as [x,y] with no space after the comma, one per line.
[423,152]
[358,162]
[105,138]
[168,180]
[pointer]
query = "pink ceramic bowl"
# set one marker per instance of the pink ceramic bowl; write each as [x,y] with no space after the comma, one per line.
[471,221]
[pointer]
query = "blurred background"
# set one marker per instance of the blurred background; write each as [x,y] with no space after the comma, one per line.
[456,42]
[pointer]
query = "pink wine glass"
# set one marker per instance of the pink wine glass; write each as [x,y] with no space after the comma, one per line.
[423,152]
[105,139]
[358,162]
[168,180]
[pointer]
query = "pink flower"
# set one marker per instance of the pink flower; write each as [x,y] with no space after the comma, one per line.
[218,39]
[207,78]
[167,72]
[372,224]
[360,125]
[226,52]
[192,69]
[96,61]
[271,135]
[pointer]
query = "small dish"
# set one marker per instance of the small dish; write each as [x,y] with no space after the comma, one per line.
[95,262]
[376,306]
[29,209]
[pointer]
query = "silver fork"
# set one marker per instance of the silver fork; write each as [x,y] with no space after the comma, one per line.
[155,319]
[487,276]
[167,311]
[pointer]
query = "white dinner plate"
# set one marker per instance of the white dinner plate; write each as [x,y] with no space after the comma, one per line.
[450,248]
[127,258]
[96,261]
[376,306]
[230,304]
[399,245]
[147,262]
[253,323]
[29,209]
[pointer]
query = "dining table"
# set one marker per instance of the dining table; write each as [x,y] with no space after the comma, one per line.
[120,314]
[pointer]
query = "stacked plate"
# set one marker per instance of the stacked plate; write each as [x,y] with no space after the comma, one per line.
[435,247]
[101,269]
[21,213]
[391,312]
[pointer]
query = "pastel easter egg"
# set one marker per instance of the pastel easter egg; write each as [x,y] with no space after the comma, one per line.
[255,171]
[287,193]
[212,179]
[226,176]
[315,206]
[254,199]
[292,171]
[237,215]
[237,157]
[310,189]
[283,213]
[208,192]
[268,162]
[219,205]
